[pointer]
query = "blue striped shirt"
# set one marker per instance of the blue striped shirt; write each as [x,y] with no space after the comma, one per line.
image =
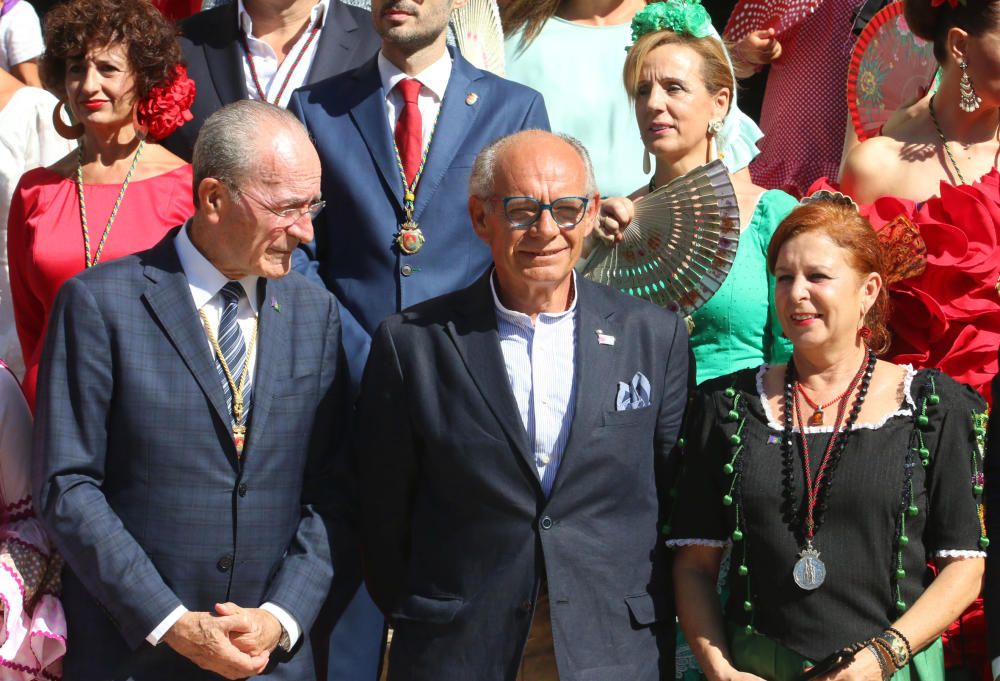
[540,360]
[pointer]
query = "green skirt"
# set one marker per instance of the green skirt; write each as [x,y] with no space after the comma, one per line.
[760,655]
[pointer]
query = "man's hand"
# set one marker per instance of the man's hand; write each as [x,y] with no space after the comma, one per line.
[205,640]
[260,635]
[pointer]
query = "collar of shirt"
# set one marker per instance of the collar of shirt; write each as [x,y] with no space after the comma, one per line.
[434,77]
[524,320]
[204,280]
[319,11]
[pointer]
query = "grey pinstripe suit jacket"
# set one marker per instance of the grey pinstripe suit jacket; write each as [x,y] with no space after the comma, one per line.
[136,475]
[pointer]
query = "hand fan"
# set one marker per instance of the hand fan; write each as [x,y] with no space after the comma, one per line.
[479,34]
[680,245]
[756,15]
[890,68]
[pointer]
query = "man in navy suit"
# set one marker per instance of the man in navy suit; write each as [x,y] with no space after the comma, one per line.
[513,450]
[276,44]
[188,422]
[369,137]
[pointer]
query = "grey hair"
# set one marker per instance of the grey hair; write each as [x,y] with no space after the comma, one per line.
[228,142]
[482,181]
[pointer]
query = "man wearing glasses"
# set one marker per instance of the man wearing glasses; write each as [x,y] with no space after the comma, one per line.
[189,411]
[513,449]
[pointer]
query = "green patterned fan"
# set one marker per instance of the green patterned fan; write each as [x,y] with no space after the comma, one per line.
[680,245]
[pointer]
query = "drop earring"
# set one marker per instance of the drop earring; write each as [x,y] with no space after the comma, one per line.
[968,100]
[647,164]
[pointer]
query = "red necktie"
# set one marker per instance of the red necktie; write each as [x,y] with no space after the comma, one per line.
[409,129]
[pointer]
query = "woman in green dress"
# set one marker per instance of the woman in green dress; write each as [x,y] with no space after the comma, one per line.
[680,78]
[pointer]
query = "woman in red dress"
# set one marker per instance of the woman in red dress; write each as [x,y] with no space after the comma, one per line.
[116,66]
[937,169]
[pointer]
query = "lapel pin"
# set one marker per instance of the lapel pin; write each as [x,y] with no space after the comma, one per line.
[471,98]
[603,338]
[275,304]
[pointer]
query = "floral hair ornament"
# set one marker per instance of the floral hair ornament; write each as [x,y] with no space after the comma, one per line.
[832,197]
[167,106]
[679,16]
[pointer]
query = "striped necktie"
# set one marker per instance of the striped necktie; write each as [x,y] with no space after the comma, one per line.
[234,348]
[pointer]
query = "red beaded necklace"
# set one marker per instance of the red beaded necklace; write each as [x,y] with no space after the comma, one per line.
[817,418]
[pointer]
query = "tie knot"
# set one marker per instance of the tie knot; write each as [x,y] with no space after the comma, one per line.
[232,292]
[409,88]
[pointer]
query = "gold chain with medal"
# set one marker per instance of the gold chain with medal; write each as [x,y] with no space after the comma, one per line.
[410,238]
[239,427]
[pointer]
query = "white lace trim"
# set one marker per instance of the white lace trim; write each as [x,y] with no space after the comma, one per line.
[715,543]
[902,411]
[959,553]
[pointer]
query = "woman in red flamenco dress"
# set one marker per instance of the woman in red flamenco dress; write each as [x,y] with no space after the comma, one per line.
[930,186]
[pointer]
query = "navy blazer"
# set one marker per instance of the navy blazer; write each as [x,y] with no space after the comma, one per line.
[137,479]
[213,52]
[457,532]
[357,259]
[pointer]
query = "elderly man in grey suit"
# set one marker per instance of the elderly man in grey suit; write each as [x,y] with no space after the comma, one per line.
[513,448]
[188,420]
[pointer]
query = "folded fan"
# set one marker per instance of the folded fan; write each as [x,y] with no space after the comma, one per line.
[479,34]
[680,245]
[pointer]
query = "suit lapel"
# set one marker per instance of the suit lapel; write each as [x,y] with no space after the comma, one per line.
[474,333]
[272,350]
[224,57]
[456,119]
[594,378]
[370,117]
[336,42]
[169,298]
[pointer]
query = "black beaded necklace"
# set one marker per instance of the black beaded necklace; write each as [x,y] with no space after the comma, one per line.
[809,571]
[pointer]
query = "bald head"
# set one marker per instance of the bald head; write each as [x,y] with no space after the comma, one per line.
[522,147]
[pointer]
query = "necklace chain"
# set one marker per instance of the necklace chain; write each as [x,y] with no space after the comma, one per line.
[944,140]
[291,71]
[820,486]
[235,389]
[90,262]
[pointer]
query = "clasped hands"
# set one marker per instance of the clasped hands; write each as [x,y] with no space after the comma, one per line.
[233,642]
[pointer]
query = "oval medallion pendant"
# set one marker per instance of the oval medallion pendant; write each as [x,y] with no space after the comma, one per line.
[809,572]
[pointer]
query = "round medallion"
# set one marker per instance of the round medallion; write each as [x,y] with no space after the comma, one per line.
[809,572]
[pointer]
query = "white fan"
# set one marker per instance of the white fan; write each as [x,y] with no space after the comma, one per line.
[479,34]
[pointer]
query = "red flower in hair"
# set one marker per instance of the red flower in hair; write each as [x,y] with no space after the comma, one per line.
[951,3]
[167,106]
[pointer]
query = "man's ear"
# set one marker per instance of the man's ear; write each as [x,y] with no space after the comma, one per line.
[477,213]
[212,198]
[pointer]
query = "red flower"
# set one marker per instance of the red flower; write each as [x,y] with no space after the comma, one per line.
[952,3]
[167,106]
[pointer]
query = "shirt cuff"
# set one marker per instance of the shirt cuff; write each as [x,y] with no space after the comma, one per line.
[996,666]
[287,622]
[163,627]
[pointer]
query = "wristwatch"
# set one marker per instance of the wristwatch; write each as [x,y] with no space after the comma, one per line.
[285,642]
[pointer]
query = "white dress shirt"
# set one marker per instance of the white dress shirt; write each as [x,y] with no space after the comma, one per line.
[434,81]
[205,283]
[540,360]
[270,73]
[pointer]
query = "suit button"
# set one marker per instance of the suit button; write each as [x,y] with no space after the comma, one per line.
[546,522]
[225,563]
[242,489]
[406,270]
